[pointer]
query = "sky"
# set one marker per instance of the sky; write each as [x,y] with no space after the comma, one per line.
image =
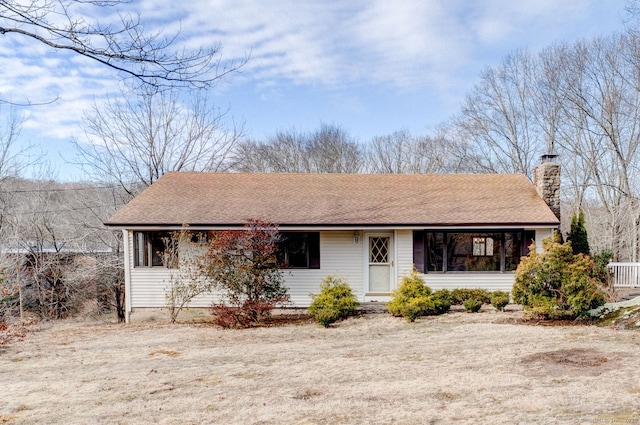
[372,67]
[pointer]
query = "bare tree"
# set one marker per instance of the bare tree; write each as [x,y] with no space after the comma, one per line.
[602,104]
[579,100]
[393,154]
[329,149]
[133,141]
[123,46]
[55,250]
[40,245]
[283,153]
[12,157]
[402,153]
[497,122]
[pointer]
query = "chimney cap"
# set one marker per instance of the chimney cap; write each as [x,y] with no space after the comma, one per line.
[548,157]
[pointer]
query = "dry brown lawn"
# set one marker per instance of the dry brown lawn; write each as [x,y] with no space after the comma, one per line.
[458,368]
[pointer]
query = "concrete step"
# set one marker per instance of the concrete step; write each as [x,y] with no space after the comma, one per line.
[372,307]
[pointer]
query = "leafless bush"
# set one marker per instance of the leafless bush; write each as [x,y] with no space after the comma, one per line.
[56,285]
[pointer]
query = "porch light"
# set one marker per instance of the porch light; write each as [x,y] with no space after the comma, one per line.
[356,237]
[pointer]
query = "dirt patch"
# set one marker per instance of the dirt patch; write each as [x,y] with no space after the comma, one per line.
[307,395]
[579,358]
[519,320]
[274,320]
[575,361]
[169,353]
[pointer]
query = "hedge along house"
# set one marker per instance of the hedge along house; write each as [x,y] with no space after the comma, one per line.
[460,230]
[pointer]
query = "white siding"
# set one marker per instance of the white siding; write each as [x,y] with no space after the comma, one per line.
[147,283]
[540,235]
[339,256]
[188,251]
[488,281]
[148,286]
[404,254]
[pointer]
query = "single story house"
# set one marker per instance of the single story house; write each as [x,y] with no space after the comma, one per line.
[459,230]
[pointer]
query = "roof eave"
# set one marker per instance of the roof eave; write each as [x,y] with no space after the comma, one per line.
[339,226]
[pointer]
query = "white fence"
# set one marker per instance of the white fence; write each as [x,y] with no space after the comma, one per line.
[625,274]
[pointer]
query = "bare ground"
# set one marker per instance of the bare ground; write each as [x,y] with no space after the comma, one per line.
[458,368]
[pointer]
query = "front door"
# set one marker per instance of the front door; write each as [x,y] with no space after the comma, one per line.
[380,265]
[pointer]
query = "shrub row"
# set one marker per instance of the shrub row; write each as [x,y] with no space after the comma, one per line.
[414,298]
[460,295]
[473,299]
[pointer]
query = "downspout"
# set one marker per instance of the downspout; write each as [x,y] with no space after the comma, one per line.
[127,276]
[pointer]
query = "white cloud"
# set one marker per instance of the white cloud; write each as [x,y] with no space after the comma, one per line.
[500,21]
[404,43]
[332,46]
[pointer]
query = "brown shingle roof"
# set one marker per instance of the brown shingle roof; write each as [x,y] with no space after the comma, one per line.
[336,199]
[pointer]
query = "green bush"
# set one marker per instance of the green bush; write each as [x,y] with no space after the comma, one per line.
[414,298]
[472,305]
[499,299]
[413,308]
[410,298]
[326,316]
[460,295]
[578,235]
[441,302]
[334,302]
[557,283]
[482,294]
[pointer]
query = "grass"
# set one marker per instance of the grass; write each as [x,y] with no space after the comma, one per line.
[372,369]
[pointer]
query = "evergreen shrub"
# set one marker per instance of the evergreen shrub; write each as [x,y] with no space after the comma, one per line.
[414,298]
[558,284]
[460,295]
[473,305]
[499,299]
[335,301]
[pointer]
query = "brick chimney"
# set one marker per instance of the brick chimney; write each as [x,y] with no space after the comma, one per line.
[546,179]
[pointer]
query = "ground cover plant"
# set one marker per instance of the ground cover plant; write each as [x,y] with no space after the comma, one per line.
[374,369]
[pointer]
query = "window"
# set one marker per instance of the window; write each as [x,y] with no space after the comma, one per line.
[473,252]
[482,246]
[467,251]
[199,238]
[515,246]
[299,250]
[149,248]
[435,251]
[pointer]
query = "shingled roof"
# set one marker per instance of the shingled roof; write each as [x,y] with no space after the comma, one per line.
[228,199]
